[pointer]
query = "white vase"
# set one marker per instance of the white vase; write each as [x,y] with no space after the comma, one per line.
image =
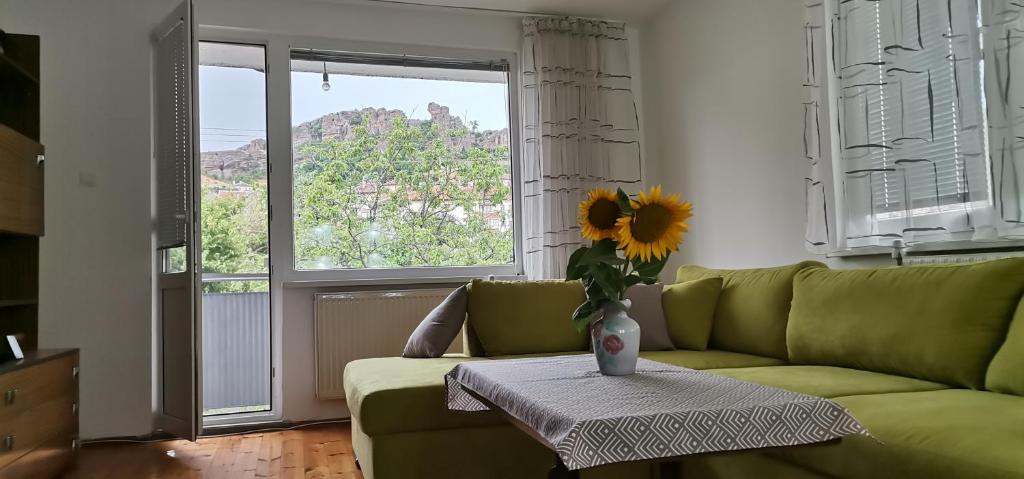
[616,340]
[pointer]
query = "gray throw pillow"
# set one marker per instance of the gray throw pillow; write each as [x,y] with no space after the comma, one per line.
[647,311]
[439,328]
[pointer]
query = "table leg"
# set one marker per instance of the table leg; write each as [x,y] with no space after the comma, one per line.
[560,471]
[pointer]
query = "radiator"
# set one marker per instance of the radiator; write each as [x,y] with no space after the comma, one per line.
[352,326]
[957,258]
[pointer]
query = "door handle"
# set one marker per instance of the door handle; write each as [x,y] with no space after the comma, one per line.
[40,159]
[8,444]
[10,395]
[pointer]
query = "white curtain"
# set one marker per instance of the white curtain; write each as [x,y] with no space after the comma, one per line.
[914,157]
[580,130]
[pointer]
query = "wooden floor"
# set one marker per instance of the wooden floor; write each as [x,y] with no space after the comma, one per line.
[323,451]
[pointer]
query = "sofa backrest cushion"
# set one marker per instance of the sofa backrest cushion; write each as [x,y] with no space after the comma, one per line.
[690,311]
[938,323]
[753,307]
[523,317]
[1006,373]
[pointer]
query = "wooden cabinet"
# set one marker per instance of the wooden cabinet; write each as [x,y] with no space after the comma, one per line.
[38,413]
[38,394]
[21,183]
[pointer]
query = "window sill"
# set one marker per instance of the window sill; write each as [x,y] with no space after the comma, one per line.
[935,248]
[329,283]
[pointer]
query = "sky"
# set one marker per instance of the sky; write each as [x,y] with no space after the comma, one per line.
[232,101]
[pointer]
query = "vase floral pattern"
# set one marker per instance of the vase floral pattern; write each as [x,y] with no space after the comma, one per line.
[616,340]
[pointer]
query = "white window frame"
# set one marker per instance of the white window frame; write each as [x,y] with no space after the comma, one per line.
[418,274]
[279,156]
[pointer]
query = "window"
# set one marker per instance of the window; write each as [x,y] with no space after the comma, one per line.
[912,128]
[400,162]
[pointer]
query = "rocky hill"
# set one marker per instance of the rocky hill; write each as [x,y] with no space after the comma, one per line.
[249,161]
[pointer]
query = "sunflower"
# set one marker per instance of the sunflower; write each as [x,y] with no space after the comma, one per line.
[656,226]
[598,214]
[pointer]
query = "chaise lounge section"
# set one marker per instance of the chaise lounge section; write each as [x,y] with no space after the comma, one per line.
[927,358]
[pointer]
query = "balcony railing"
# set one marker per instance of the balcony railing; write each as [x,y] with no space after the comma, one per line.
[236,350]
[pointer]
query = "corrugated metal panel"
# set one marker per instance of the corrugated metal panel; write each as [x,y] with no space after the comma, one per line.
[236,350]
[352,326]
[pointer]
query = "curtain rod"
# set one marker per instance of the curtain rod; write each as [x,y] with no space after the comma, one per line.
[491,10]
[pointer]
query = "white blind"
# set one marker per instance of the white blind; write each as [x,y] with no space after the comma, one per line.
[911,105]
[173,135]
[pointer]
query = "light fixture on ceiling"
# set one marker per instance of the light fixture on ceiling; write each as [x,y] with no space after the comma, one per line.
[326,85]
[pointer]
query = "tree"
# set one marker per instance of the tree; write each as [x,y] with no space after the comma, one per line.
[234,236]
[412,195]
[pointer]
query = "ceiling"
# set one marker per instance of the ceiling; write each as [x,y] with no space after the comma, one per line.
[627,10]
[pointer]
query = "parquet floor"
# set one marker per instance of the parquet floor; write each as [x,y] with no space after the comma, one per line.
[312,452]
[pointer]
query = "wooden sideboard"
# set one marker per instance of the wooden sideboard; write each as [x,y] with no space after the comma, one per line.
[39,393]
[38,413]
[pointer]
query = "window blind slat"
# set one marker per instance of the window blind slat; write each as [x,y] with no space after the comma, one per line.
[907,110]
[173,136]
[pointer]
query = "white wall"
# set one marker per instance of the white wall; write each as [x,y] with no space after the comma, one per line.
[724,126]
[96,268]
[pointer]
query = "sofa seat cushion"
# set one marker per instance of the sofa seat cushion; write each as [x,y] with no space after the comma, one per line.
[827,381]
[753,307]
[953,433]
[709,359]
[392,395]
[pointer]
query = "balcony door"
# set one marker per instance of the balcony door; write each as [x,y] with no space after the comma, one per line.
[233,198]
[176,242]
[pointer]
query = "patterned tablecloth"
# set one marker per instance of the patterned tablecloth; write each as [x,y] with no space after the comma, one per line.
[662,411]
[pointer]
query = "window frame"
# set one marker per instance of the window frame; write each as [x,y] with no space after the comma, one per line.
[289,271]
[834,180]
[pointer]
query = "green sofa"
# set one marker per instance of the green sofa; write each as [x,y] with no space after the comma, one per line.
[929,359]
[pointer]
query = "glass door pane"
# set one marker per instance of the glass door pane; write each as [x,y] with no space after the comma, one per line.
[235,229]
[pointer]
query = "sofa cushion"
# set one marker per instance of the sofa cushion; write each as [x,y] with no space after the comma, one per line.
[647,311]
[690,311]
[953,433]
[391,395]
[709,359]
[1006,372]
[521,317]
[828,381]
[753,307]
[439,328]
[939,323]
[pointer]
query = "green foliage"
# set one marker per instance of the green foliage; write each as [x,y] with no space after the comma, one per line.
[405,197]
[234,236]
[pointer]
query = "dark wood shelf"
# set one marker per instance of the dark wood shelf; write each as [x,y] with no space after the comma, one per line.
[11,68]
[12,303]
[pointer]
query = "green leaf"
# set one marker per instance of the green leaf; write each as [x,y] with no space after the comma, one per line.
[649,269]
[624,203]
[583,311]
[609,278]
[632,280]
[595,293]
[583,321]
[603,251]
[574,270]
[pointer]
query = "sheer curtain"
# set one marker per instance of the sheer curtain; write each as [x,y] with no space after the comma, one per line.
[914,157]
[580,130]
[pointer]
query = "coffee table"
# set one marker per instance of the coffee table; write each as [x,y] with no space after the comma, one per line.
[661,414]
